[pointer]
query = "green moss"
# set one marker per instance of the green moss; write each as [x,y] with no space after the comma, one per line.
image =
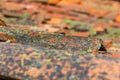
[112,33]
[89,50]
[68,54]
[73,24]
[116,45]
[24,56]
[92,33]
[83,52]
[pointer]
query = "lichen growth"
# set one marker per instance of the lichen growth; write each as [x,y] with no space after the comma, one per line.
[53,41]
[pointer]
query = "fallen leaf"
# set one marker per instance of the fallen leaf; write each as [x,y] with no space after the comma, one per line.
[97,12]
[5,38]
[114,55]
[92,11]
[101,13]
[2,23]
[53,1]
[117,19]
[54,21]
[107,43]
[12,6]
[115,24]
[67,2]
[98,27]
[84,34]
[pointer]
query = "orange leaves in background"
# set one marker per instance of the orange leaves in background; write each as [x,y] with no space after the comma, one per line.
[117,19]
[63,2]
[12,6]
[99,27]
[97,12]
[102,13]
[84,34]
[55,21]
[53,1]
[67,2]
[92,11]
[19,8]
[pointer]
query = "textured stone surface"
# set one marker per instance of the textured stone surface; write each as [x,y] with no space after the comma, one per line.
[43,56]
[28,63]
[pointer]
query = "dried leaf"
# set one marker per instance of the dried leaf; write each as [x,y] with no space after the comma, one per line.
[55,21]
[85,34]
[99,27]
[67,2]
[2,23]
[12,6]
[107,43]
[53,1]
[117,19]
[7,38]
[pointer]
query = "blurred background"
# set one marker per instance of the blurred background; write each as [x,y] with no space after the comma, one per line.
[94,18]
